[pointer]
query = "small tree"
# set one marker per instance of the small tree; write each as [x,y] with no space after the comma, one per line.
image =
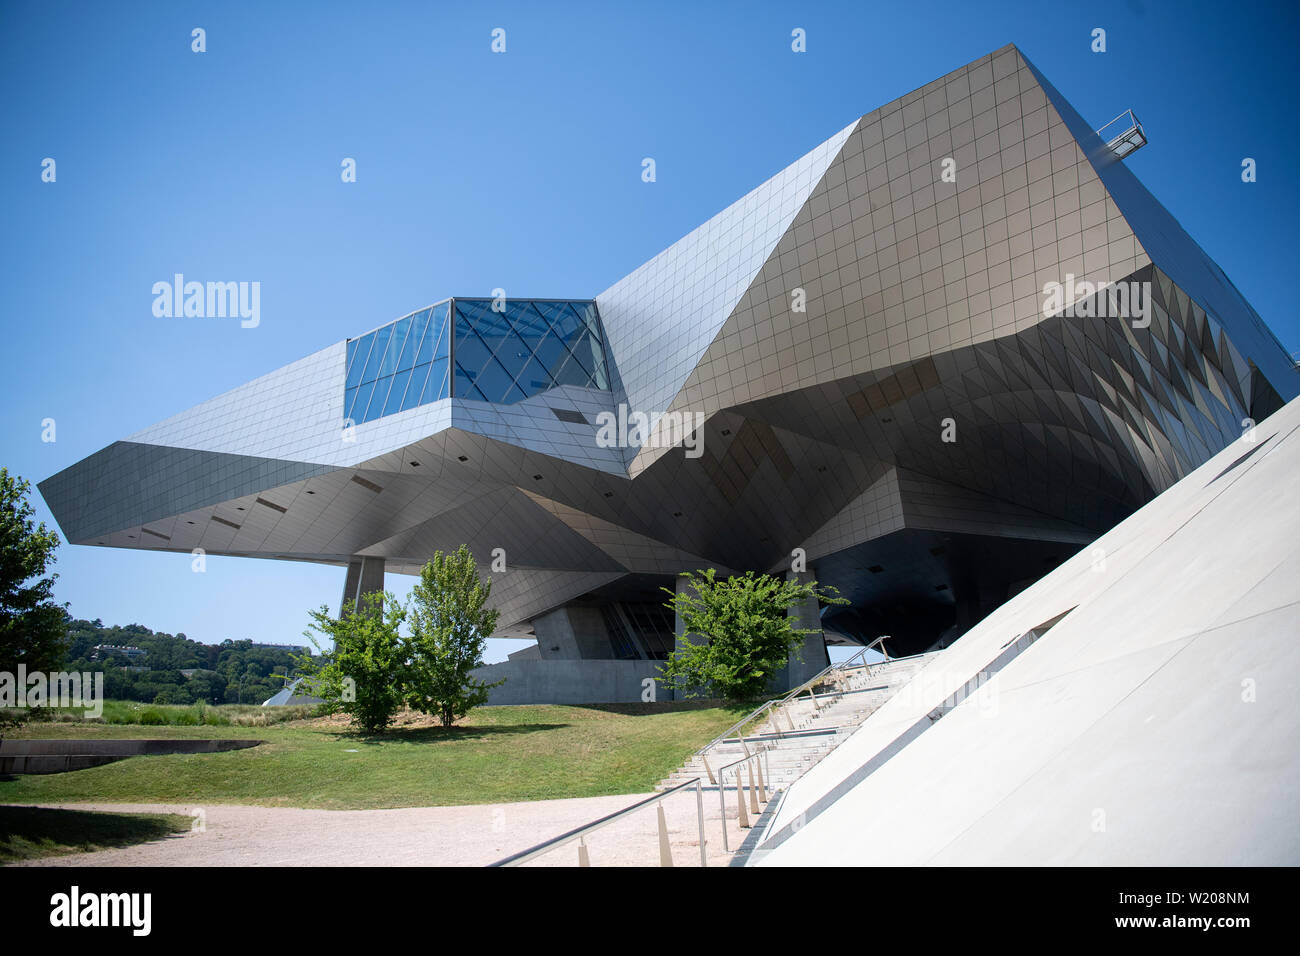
[33,629]
[363,676]
[746,633]
[450,625]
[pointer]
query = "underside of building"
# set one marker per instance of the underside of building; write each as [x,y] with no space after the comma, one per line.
[925,364]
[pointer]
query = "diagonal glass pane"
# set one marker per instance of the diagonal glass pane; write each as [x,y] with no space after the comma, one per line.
[437,385]
[472,353]
[377,349]
[493,381]
[463,387]
[358,352]
[534,378]
[574,374]
[413,391]
[400,329]
[375,408]
[396,393]
[419,325]
[358,410]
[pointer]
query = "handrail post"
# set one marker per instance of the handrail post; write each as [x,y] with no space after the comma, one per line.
[699,809]
[740,801]
[722,813]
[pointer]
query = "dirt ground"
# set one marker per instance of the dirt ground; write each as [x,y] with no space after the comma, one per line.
[228,835]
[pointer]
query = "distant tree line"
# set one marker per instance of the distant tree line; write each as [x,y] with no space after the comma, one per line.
[226,673]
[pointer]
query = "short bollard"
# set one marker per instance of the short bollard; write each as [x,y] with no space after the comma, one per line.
[762,790]
[753,793]
[740,801]
[665,852]
[583,859]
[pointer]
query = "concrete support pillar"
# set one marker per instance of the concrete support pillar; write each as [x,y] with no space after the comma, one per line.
[807,615]
[365,576]
[682,585]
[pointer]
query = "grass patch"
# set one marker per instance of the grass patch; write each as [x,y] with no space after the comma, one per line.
[28,833]
[496,755]
[129,712]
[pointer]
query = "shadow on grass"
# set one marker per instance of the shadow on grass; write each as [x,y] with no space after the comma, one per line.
[437,734]
[30,832]
[739,708]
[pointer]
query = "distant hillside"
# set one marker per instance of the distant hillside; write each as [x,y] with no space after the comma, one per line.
[226,673]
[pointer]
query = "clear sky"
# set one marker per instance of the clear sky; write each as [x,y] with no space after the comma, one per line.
[478,170]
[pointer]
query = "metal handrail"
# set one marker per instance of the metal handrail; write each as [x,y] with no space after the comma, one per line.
[802,688]
[532,852]
[762,755]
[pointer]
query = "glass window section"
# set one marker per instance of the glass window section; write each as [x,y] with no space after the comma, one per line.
[534,378]
[494,381]
[436,387]
[415,388]
[372,410]
[512,353]
[551,352]
[573,374]
[358,410]
[395,343]
[436,336]
[396,393]
[349,397]
[471,351]
[358,352]
[379,345]
[419,325]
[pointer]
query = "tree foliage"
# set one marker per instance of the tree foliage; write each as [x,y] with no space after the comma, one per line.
[364,674]
[33,629]
[742,629]
[450,625]
[374,669]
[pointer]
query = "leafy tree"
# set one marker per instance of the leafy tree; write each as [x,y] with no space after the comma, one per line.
[450,625]
[746,633]
[363,675]
[33,629]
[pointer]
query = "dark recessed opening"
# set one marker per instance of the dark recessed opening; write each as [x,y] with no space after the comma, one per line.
[609,494]
[272,505]
[537,477]
[821,468]
[572,417]
[367,484]
[726,431]
[941,587]
[311,492]
[677,514]
[461,458]
[188,522]
[415,464]
[938,551]
[875,569]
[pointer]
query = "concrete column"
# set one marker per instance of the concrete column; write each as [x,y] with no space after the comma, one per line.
[365,576]
[683,585]
[807,615]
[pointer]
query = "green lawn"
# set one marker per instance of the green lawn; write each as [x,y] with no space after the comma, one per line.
[27,833]
[497,754]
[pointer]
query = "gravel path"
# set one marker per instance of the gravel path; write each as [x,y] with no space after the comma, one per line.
[419,836]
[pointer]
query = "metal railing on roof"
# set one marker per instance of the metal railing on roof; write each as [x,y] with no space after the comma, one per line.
[1123,135]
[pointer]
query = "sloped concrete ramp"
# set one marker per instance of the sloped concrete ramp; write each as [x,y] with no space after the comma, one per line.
[1154,723]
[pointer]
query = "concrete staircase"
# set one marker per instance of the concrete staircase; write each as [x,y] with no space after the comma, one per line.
[798,733]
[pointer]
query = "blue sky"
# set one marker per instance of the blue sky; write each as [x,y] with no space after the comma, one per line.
[478,170]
